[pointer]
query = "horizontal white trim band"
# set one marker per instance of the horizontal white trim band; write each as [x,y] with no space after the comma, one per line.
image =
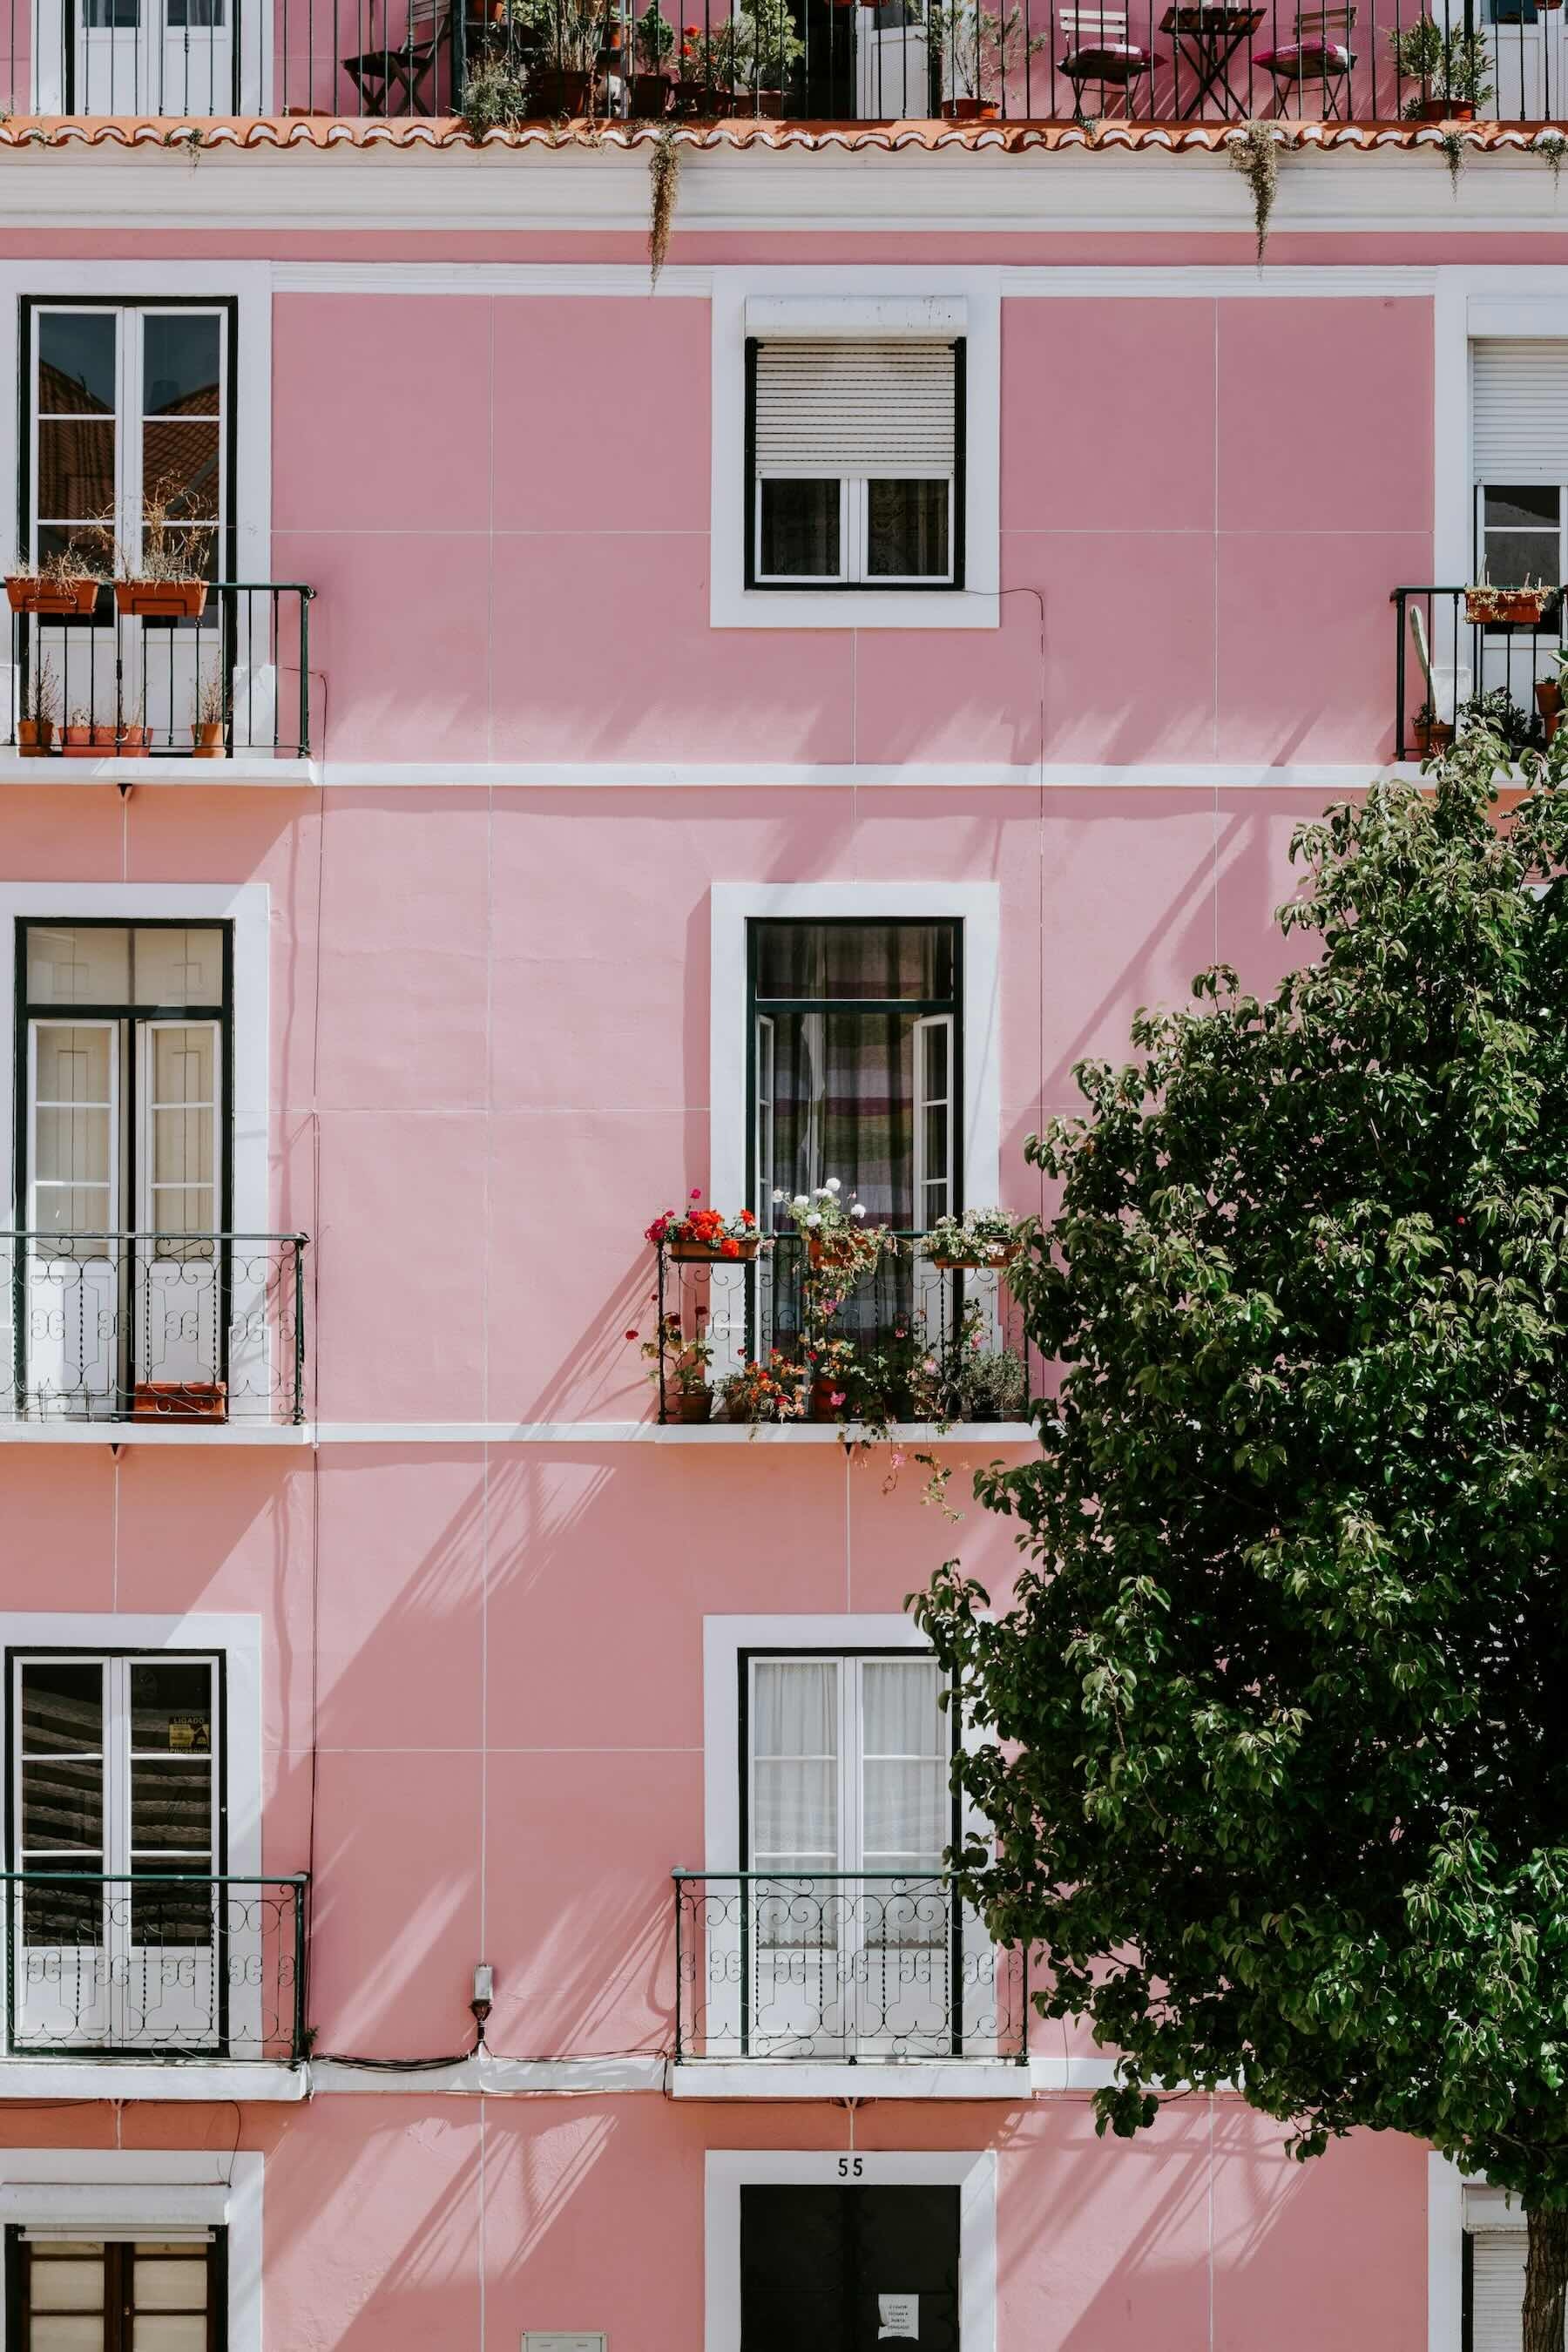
[492,2077]
[130,2078]
[808,2078]
[563,775]
[494,1433]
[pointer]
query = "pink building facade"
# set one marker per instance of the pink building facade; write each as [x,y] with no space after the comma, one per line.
[718,738]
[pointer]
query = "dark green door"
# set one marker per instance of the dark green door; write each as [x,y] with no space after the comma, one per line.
[848,2269]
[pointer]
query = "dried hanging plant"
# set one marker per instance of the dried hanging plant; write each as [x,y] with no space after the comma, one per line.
[664,183]
[1551,146]
[1255,153]
[1452,144]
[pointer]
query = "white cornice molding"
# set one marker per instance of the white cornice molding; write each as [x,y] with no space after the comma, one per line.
[784,190]
[769,776]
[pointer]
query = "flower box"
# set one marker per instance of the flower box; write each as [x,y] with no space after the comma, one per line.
[34,737]
[1518,607]
[51,600]
[734,1253]
[162,600]
[180,1401]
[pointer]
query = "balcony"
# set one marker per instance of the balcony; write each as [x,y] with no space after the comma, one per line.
[232,681]
[877,1969]
[179,1330]
[1459,660]
[154,1966]
[752,1340]
[1152,62]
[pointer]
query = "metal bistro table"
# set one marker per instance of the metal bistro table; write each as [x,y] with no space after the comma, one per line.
[1208,34]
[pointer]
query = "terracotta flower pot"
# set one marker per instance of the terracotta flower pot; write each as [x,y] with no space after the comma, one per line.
[207,738]
[1427,737]
[180,1401]
[162,600]
[133,741]
[34,737]
[1548,697]
[81,742]
[688,1405]
[1445,110]
[946,1264]
[52,600]
[650,97]
[1521,606]
[560,93]
[971,109]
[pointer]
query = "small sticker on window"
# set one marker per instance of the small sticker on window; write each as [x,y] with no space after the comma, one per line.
[191,1732]
[899,2316]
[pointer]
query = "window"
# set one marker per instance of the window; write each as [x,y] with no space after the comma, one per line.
[126,405]
[123,1153]
[117,1768]
[854,462]
[855,1064]
[1519,436]
[147,2294]
[847,1762]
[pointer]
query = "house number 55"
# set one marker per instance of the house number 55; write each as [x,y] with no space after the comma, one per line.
[850,2168]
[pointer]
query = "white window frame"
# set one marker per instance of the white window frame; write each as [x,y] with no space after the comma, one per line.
[849,1831]
[146,284]
[859,304]
[853,533]
[246,906]
[237,1640]
[129,414]
[975,904]
[972,2172]
[97,2189]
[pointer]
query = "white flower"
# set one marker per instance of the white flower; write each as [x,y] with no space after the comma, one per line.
[814,1219]
[799,1203]
[832,1184]
[858,1210]
[778,1194]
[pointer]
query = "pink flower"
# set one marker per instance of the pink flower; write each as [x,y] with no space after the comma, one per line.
[697,1191]
[835,1396]
[631,1334]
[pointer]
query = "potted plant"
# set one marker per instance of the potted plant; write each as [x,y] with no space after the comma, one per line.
[564,38]
[837,1237]
[680,1369]
[977,49]
[1429,733]
[166,582]
[76,736]
[207,727]
[992,1385]
[132,736]
[495,97]
[775,1391]
[1451,66]
[1521,606]
[766,51]
[704,1236]
[66,587]
[979,1238]
[706,85]
[652,42]
[36,731]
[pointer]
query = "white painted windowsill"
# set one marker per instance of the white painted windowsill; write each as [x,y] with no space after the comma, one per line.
[145,2078]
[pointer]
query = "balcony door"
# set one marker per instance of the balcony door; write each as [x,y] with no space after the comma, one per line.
[839,2267]
[151,57]
[124,1166]
[161,2291]
[116,1801]
[854,1948]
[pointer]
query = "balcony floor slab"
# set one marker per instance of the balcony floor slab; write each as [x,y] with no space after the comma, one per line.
[809,2078]
[147,2078]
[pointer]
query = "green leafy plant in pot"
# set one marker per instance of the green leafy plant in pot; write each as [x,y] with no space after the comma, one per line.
[1451,66]
[976,49]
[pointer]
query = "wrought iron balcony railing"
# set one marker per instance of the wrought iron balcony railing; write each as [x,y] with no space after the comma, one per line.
[1167,61]
[744,1339]
[185,1328]
[154,1964]
[231,681]
[866,1967]
[1453,664]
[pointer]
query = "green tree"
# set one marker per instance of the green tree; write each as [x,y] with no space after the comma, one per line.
[1273,1753]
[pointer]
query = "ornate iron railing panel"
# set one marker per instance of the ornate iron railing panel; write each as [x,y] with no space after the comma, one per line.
[154,1964]
[1450,669]
[140,1326]
[867,1967]
[230,682]
[925,1343]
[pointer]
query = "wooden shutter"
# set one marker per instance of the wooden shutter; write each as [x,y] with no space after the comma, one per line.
[886,410]
[1519,397]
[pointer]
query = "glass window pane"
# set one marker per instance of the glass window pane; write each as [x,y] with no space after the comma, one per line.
[63,1709]
[66,2283]
[798,537]
[908,1813]
[180,465]
[73,1148]
[64,1210]
[183,1071]
[76,362]
[900,1708]
[936,1043]
[57,2331]
[62,1806]
[851,960]
[73,1066]
[1520,507]
[171,1708]
[71,964]
[152,2332]
[844,1108]
[176,966]
[1514,557]
[906,531]
[170,1806]
[76,470]
[795,1812]
[171,2285]
[194,15]
[180,359]
[794,1708]
[54,1915]
[161,1913]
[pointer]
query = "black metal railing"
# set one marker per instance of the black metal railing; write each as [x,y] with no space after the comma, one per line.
[154,1964]
[1456,666]
[232,681]
[865,1966]
[1153,60]
[750,1338]
[188,1328]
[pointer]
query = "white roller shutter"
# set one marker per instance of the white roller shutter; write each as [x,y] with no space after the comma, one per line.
[1519,407]
[886,410]
[1497,2290]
